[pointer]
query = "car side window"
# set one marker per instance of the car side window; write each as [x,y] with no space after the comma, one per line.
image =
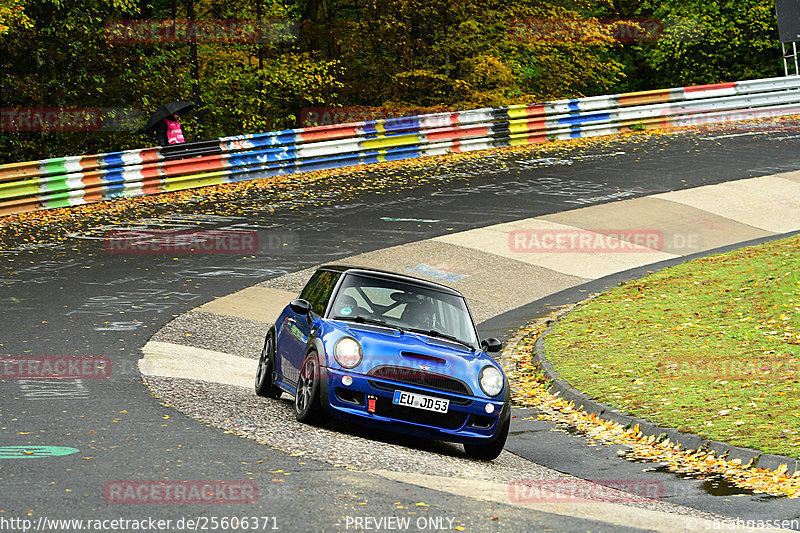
[320,293]
[305,294]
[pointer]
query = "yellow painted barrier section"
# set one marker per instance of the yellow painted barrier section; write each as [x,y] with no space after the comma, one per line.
[523,127]
[16,189]
[532,112]
[389,142]
[194,180]
[518,141]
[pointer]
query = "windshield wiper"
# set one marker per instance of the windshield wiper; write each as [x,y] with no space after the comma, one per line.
[372,321]
[434,333]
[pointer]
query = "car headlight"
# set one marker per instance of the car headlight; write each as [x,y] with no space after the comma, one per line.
[347,352]
[491,380]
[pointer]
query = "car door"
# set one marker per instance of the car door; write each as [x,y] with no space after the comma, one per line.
[289,335]
[297,328]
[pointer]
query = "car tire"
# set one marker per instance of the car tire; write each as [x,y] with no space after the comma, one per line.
[307,407]
[265,386]
[489,450]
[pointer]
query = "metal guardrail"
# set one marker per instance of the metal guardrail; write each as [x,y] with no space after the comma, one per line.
[70,181]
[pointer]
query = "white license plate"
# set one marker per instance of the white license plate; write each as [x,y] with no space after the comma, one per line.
[419,401]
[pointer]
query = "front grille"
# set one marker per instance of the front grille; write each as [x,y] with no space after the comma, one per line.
[391,387]
[421,378]
[449,420]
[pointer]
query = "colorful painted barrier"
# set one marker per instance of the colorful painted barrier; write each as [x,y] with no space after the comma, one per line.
[77,180]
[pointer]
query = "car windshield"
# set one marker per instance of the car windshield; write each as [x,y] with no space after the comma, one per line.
[404,306]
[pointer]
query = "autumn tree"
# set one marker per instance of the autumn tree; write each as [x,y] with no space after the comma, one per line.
[711,42]
[402,54]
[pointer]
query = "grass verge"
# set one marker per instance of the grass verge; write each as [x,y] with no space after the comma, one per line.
[710,347]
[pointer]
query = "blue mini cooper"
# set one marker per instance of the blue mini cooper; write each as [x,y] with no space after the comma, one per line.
[388,351]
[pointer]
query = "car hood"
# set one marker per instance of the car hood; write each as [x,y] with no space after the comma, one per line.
[386,346]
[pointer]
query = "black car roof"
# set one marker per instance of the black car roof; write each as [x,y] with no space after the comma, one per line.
[394,276]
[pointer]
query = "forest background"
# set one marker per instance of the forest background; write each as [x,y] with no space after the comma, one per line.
[261,65]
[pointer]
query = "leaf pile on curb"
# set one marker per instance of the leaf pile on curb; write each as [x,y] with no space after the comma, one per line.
[530,389]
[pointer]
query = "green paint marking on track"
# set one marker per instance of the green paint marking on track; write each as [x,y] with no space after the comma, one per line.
[23,452]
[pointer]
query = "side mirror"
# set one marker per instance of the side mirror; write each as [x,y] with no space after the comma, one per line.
[491,345]
[301,307]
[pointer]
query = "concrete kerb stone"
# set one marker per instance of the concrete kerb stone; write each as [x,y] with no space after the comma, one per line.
[540,359]
[688,441]
[773,462]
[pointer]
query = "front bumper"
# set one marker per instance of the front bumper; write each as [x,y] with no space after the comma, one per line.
[467,419]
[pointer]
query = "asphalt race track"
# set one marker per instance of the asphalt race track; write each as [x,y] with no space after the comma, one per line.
[74,298]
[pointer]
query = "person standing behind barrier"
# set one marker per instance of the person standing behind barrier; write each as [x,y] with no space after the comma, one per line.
[168,131]
[166,124]
[174,131]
